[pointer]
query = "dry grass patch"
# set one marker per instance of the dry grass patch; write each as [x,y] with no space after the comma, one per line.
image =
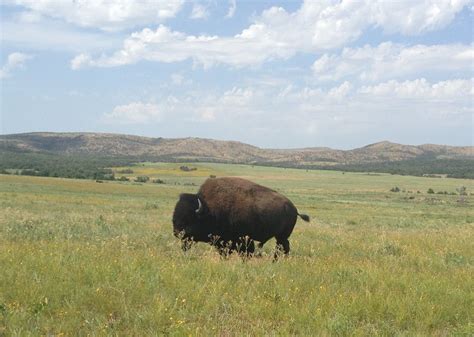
[81,258]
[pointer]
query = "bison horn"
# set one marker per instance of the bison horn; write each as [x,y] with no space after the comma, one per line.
[199,209]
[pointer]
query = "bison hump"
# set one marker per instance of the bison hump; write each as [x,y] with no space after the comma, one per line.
[240,196]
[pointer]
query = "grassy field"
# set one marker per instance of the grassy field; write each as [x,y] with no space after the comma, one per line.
[83,258]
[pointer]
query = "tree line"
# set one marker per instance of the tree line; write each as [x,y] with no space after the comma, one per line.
[452,168]
[65,166]
[99,167]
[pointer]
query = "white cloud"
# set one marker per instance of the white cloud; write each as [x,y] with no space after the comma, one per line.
[231,105]
[341,91]
[108,15]
[28,17]
[50,35]
[134,113]
[165,45]
[235,104]
[278,34]
[199,12]
[422,89]
[418,17]
[179,79]
[14,61]
[408,109]
[232,9]
[289,116]
[79,60]
[207,113]
[237,97]
[386,96]
[392,61]
[286,103]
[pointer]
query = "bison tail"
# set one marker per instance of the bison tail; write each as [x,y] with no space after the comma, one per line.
[304,217]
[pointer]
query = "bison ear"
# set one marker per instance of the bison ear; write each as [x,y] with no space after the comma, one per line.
[199,209]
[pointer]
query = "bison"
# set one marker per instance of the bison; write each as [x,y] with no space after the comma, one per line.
[232,213]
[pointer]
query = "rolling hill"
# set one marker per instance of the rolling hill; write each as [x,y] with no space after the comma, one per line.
[380,157]
[103,144]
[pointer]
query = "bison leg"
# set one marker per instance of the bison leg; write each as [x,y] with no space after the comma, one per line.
[251,247]
[243,246]
[259,249]
[186,244]
[283,245]
[246,247]
[224,248]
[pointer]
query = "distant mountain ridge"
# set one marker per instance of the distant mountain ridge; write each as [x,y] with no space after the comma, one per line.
[200,149]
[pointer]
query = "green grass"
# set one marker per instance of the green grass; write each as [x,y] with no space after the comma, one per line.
[83,258]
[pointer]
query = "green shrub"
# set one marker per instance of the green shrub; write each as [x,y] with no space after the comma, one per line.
[142,179]
[462,190]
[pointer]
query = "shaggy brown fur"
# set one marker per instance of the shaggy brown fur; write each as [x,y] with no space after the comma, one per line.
[235,208]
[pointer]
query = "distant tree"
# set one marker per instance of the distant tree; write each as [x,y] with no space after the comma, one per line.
[430,191]
[28,172]
[123,178]
[462,190]
[142,179]
[103,174]
[158,181]
[187,169]
[395,189]
[462,194]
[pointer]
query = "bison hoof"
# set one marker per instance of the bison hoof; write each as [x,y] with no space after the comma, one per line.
[186,244]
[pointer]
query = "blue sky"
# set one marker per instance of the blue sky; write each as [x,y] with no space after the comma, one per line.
[278,74]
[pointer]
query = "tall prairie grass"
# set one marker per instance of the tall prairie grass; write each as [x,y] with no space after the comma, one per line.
[82,258]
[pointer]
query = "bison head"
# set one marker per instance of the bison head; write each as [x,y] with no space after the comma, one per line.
[188,220]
